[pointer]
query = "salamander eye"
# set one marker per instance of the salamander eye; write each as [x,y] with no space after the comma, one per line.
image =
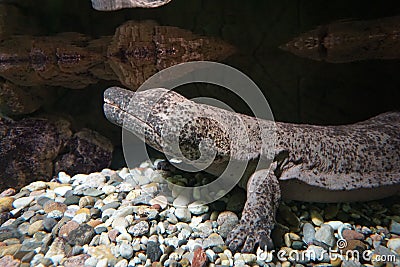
[311,42]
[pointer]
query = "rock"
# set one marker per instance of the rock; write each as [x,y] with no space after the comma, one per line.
[199,258]
[139,229]
[326,235]
[126,250]
[226,220]
[56,248]
[103,5]
[72,200]
[160,200]
[66,229]
[316,218]
[198,207]
[153,251]
[35,227]
[394,244]
[335,224]
[351,263]
[308,233]
[86,201]
[394,227]
[9,250]
[213,240]
[6,204]
[41,140]
[62,190]
[353,245]
[36,186]
[93,192]
[7,232]
[9,261]
[351,235]
[52,205]
[102,252]
[81,235]
[88,152]
[22,202]
[76,261]
[183,214]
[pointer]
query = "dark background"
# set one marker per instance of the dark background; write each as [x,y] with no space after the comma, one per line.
[298,89]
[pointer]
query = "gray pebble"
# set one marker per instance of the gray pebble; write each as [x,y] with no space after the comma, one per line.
[126,250]
[153,251]
[325,235]
[139,229]
[394,227]
[49,223]
[308,233]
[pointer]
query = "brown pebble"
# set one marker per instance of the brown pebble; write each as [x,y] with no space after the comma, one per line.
[376,237]
[76,261]
[67,228]
[8,192]
[94,223]
[112,234]
[199,258]
[352,235]
[83,210]
[52,205]
[9,261]
[354,245]
[6,204]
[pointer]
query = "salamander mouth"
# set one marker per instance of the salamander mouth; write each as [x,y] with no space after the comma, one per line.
[128,120]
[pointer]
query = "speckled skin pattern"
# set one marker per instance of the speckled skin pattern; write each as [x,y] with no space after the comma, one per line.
[109,5]
[352,162]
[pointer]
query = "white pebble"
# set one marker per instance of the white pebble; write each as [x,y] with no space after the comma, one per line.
[22,202]
[198,207]
[108,189]
[81,218]
[64,178]
[35,186]
[62,190]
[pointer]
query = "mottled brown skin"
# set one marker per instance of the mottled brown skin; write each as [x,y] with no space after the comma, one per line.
[351,40]
[354,162]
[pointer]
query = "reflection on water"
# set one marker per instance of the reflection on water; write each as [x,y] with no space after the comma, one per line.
[298,89]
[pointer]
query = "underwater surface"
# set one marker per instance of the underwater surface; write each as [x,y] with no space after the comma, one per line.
[316,62]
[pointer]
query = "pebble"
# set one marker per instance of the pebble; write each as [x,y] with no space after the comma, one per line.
[226,220]
[103,219]
[62,190]
[394,244]
[6,204]
[198,207]
[308,233]
[351,234]
[139,229]
[316,218]
[22,202]
[325,234]
[394,227]
[153,251]
[183,214]
[81,235]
